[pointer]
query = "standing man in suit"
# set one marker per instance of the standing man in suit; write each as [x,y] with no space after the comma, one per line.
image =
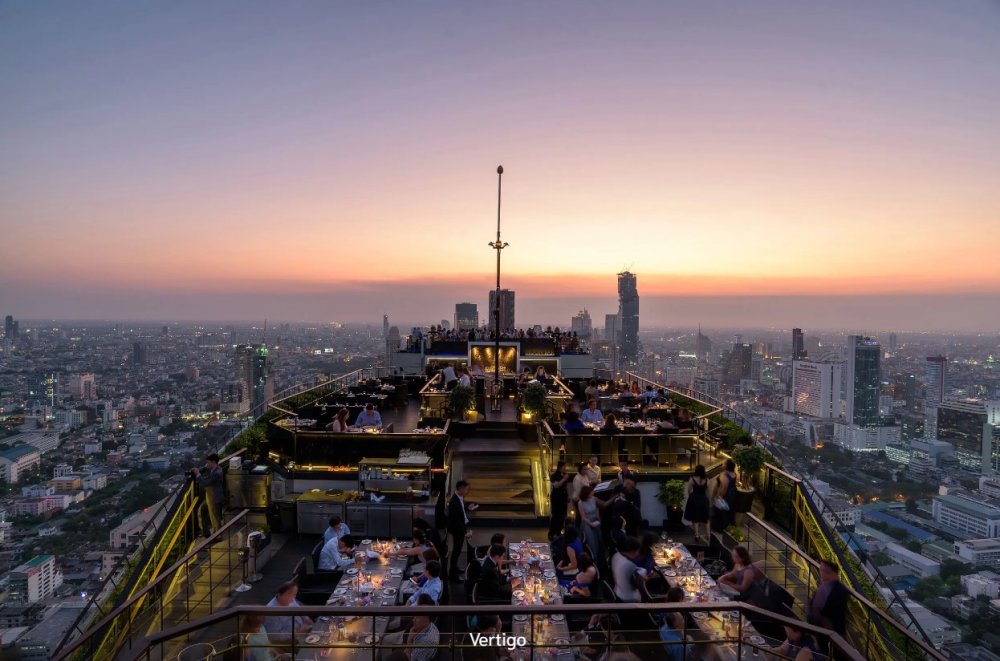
[458,527]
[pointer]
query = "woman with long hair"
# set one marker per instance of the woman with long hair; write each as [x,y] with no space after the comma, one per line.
[697,508]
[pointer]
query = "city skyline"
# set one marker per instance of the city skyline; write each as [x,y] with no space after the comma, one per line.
[246,161]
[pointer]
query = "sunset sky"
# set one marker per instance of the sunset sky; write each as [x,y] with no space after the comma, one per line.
[331,161]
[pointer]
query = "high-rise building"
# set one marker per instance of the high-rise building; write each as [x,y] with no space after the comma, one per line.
[971,426]
[232,399]
[391,343]
[816,388]
[253,367]
[611,328]
[582,325]
[83,386]
[740,364]
[703,347]
[798,344]
[937,380]
[9,327]
[628,317]
[35,580]
[385,326]
[893,344]
[140,353]
[862,381]
[506,308]
[466,316]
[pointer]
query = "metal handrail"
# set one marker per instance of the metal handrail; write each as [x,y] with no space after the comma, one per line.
[159,580]
[146,546]
[865,601]
[837,642]
[811,495]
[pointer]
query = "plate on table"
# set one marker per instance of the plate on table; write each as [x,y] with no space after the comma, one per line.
[548,573]
[561,642]
[700,615]
[670,572]
[366,542]
[757,640]
[515,556]
[520,617]
[312,639]
[519,594]
[545,556]
[389,592]
[558,617]
[395,572]
[351,572]
[517,573]
[339,592]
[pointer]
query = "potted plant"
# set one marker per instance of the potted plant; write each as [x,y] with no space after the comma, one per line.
[461,401]
[732,536]
[750,460]
[671,495]
[534,399]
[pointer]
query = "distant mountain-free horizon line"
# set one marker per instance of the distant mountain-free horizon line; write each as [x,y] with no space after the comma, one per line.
[974,313]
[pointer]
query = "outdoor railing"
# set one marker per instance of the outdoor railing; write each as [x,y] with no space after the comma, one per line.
[727,632]
[870,629]
[809,515]
[157,545]
[189,589]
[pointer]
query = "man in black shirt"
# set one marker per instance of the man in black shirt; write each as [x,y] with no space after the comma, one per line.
[560,500]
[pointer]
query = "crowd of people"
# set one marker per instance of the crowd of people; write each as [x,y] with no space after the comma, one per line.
[564,341]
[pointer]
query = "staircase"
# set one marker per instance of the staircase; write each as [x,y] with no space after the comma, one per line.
[503,471]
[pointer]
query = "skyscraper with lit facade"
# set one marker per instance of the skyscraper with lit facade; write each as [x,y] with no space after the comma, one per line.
[253,367]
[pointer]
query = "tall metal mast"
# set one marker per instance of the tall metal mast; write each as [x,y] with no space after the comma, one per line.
[498,245]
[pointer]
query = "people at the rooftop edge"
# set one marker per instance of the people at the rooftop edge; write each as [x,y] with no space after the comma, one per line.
[339,424]
[592,414]
[448,376]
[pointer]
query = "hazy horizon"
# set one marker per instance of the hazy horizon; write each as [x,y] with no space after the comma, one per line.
[970,313]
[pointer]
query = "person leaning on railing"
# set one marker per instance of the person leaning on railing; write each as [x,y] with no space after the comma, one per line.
[828,605]
[211,479]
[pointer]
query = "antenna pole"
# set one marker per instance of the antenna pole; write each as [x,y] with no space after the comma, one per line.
[498,245]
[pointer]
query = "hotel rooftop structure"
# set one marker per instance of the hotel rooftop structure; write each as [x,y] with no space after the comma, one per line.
[181,596]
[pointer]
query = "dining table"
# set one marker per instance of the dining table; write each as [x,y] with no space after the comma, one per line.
[376,580]
[548,635]
[717,632]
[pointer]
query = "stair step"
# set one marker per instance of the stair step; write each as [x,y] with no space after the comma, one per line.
[499,514]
